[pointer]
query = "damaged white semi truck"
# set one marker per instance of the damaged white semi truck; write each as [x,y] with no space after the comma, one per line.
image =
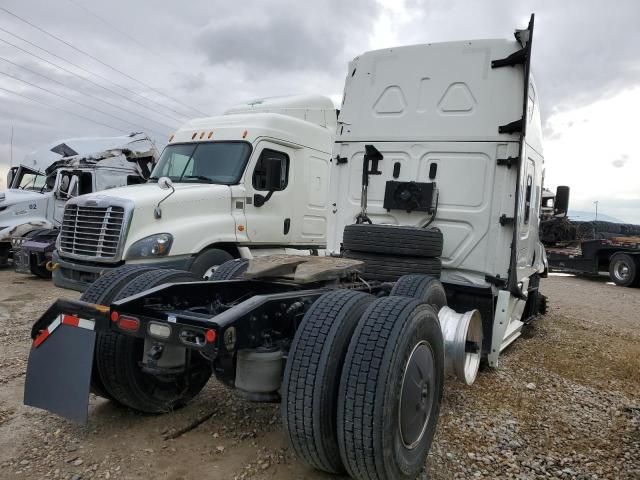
[437,172]
[32,206]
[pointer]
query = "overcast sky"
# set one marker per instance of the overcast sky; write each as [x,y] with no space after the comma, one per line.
[211,54]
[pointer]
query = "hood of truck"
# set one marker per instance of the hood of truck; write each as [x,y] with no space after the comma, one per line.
[149,194]
[195,214]
[22,211]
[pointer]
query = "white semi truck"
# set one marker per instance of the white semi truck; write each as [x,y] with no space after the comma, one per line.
[437,172]
[211,198]
[38,188]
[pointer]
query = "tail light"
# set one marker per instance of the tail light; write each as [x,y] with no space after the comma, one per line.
[130,324]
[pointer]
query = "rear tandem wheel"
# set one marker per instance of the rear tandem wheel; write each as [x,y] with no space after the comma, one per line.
[390,390]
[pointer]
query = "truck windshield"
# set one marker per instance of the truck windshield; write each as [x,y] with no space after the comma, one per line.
[211,162]
[28,179]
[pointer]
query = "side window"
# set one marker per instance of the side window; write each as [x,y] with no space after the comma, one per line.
[260,173]
[527,199]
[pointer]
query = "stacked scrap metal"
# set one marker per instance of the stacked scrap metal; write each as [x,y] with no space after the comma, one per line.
[562,230]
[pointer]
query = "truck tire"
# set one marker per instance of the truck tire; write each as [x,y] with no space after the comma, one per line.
[388,268]
[231,269]
[102,292]
[623,270]
[386,424]
[425,288]
[207,262]
[118,356]
[312,377]
[105,288]
[393,240]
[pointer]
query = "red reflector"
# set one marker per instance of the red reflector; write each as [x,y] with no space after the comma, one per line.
[210,335]
[40,338]
[129,323]
[70,320]
[114,316]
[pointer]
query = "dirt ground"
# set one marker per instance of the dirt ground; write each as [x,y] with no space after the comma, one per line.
[565,403]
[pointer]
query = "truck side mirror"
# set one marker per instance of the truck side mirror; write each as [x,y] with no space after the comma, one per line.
[272,181]
[561,205]
[10,176]
[273,178]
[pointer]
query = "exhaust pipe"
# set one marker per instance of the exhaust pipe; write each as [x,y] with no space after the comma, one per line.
[462,333]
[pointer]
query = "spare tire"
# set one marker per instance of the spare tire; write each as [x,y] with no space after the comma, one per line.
[393,239]
[388,268]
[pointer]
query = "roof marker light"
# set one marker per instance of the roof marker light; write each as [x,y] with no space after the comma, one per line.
[194,135]
[201,135]
[244,135]
[210,133]
[171,137]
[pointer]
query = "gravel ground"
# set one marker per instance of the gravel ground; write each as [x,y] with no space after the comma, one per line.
[565,403]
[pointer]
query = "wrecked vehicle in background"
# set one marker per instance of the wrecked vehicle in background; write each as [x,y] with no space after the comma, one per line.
[32,207]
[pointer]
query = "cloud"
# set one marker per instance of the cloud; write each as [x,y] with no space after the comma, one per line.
[286,35]
[583,50]
[620,162]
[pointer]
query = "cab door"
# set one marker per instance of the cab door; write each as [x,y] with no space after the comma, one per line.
[66,185]
[270,215]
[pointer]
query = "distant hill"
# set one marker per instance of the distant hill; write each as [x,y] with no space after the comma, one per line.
[589,216]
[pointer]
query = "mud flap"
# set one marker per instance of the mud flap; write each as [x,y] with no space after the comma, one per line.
[59,373]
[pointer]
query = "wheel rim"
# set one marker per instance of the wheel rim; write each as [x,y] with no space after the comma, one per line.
[621,270]
[209,271]
[417,393]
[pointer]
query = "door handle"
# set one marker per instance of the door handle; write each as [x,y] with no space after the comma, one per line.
[287,226]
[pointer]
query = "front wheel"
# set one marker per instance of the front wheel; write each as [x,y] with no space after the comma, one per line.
[390,390]
[623,270]
[208,262]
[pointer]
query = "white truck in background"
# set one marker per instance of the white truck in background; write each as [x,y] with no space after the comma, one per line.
[38,189]
[253,181]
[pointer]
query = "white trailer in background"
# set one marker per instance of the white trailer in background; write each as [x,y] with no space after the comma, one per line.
[437,171]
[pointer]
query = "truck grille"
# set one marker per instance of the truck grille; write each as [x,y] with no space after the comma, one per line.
[91,231]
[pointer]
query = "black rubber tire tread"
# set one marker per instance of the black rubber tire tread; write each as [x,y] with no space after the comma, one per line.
[107,286]
[387,268]
[425,288]
[312,377]
[153,278]
[102,292]
[117,356]
[371,383]
[633,263]
[230,270]
[393,240]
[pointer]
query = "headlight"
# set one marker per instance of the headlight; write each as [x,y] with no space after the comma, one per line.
[157,245]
